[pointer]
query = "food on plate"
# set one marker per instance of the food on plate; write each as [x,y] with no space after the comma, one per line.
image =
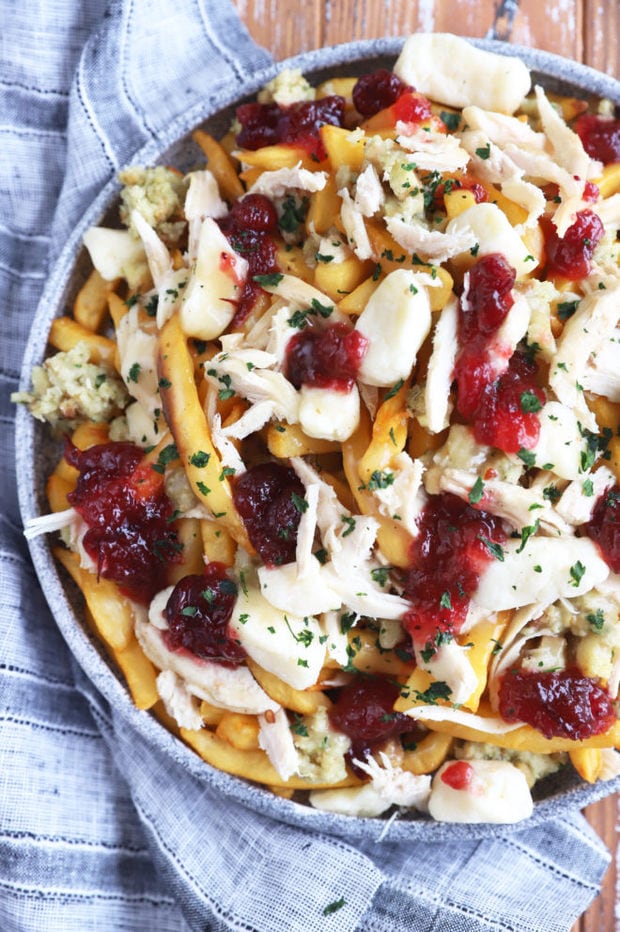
[341,469]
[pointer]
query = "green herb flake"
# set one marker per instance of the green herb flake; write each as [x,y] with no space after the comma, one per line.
[199,459]
[596,619]
[334,907]
[530,402]
[577,572]
[477,491]
[134,372]
[270,280]
[496,550]
[436,691]
[451,120]
[350,523]
[484,152]
[527,457]
[394,390]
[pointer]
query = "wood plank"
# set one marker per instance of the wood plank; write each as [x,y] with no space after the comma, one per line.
[602,36]
[600,917]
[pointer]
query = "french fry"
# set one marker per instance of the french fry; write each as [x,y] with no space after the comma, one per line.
[191,556]
[343,147]
[301,701]
[191,432]
[285,440]
[588,762]
[324,207]
[338,278]
[240,730]
[365,655]
[211,715]
[217,544]
[394,540]
[139,672]
[89,434]
[389,434]
[270,158]
[111,611]
[252,765]
[57,489]
[429,754]
[91,302]
[221,164]
[355,302]
[65,333]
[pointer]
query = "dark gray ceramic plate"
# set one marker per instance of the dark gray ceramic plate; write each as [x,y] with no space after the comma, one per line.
[36,453]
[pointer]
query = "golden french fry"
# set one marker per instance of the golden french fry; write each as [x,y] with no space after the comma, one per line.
[339,278]
[270,158]
[301,701]
[252,765]
[524,738]
[389,434]
[343,147]
[139,672]
[65,333]
[211,715]
[483,641]
[285,440]
[240,730]
[291,261]
[191,556]
[90,434]
[430,753]
[117,309]
[588,762]
[111,611]
[91,302]
[188,424]
[367,657]
[220,163]
[394,540]
[343,87]
[609,182]
[355,302]
[458,200]
[57,489]
[324,207]
[217,544]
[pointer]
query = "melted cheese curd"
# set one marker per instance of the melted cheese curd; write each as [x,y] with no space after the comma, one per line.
[378,236]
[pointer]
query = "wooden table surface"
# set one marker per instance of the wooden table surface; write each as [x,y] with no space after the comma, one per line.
[585,30]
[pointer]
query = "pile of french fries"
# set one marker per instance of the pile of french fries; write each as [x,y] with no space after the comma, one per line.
[229,740]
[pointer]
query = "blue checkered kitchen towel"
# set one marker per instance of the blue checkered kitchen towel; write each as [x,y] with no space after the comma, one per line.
[97,830]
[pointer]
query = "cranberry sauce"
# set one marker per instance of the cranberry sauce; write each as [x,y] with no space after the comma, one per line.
[326,358]
[250,226]
[198,612]
[454,544]
[482,310]
[376,91]
[571,256]
[604,527]
[600,137]
[296,125]
[560,704]
[458,775]
[123,502]
[364,711]
[497,390]
[506,417]
[270,500]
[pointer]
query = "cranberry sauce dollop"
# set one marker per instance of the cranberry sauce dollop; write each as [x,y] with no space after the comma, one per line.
[269,499]
[326,358]
[454,544]
[376,91]
[604,527]
[198,612]
[296,125]
[501,408]
[250,226]
[123,502]
[600,137]
[458,775]
[571,256]
[364,712]
[559,704]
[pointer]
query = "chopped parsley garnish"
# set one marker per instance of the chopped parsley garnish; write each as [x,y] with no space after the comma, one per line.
[380,574]
[527,457]
[350,523]
[577,572]
[199,459]
[134,372]
[596,619]
[394,390]
[202,488]
[566,309]
[526,533]
[380,479]
[451,120]
[334,907]
[445,600]
[484,151]
[477,491]
[270,280]
[437,690]
[530,402]
[496,550]
[300,503]
[168,455]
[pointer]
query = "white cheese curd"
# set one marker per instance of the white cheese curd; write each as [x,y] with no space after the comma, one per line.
[396,321]
[450,70]
[494,233]
[560,443]
[496,792]
[450,664]
[546,569]
[289,645]
[232,688]
[285,589]
[116,254]
[214,284]
[328,414]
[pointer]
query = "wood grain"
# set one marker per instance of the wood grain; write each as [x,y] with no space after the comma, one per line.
[585,30]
